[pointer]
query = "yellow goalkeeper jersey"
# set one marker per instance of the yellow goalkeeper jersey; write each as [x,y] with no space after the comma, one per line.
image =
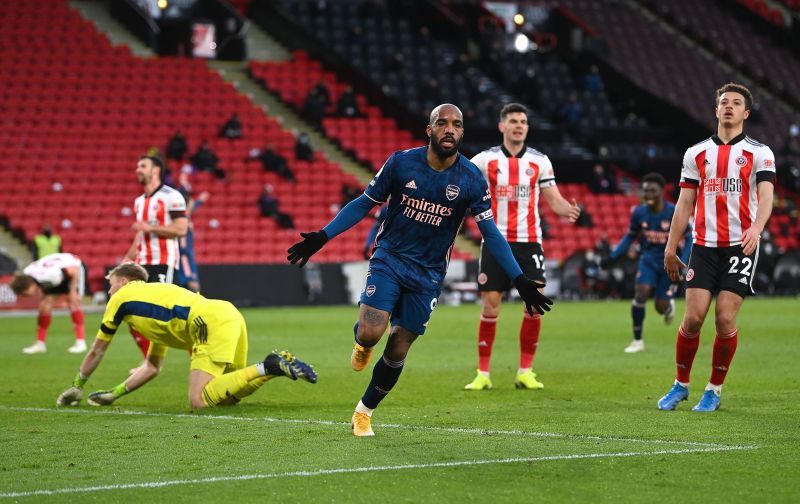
[160,312]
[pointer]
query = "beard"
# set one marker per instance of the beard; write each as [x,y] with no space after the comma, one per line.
[443,153]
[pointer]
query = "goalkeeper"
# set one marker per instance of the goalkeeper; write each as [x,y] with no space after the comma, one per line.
[171,316]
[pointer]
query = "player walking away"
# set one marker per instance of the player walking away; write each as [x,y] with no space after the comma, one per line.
[160,221]
[429,190]
[518,176]
[728,180]
[50,277]
[174,317]
[650,225]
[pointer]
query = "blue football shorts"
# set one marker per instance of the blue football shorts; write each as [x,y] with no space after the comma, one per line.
[384,290]
[651,272]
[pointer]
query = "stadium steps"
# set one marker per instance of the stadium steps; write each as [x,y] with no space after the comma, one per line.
[262,47]
[649,13]
[236,73]
[99,13]
[13,248]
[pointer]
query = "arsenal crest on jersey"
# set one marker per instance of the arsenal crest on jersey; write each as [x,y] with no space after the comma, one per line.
[665,225]
[452,192]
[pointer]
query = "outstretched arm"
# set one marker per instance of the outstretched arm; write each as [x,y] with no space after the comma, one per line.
[312,242]
[621,247]
[349,216]
[142,375]
[72,396]
[498,247]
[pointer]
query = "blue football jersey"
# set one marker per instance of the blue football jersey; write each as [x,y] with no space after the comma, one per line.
[652,229]
[425,211]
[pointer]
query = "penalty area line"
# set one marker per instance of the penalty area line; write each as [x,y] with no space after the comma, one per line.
[351,470]
[426,428]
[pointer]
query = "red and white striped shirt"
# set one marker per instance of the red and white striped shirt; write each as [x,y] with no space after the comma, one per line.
[49,270]
[158,209]
[515,183]
[726,177]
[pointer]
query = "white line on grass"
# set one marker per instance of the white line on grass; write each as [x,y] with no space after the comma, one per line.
[452,430]
[348,470]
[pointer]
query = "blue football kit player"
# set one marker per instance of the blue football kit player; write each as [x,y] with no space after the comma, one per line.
[650,224]
[429,191]
[188,275]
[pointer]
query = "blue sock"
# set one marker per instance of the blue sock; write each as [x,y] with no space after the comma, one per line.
[637,314]
[384,376]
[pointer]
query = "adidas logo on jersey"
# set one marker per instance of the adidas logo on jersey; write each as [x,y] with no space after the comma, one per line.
[743,280]
[412,185]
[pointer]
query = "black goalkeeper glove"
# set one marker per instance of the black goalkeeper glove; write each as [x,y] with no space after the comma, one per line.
[529,292]
[310,245]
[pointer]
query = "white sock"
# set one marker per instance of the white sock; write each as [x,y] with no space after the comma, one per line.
[260,369]
[360,408]
[684,385]
[484,373]
[716,388]
[523,370]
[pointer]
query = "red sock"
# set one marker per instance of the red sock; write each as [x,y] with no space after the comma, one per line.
[486,333]
[686,348]
[528,339]
[724,348]
[77,323]
[42,324]
[142,342]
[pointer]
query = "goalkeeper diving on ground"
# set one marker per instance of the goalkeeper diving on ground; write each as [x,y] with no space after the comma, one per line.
[171,316]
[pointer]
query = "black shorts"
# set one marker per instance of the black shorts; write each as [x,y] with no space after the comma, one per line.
[492,277]
[160,273]
[722,268]
[63,287]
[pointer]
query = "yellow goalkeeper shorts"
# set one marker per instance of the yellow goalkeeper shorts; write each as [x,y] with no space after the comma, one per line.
[219,334]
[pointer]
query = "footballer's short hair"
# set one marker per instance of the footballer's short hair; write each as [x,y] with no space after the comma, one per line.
[158,162]
[131,271]
[21,283]
[511,108]
[655,177]
[736,88]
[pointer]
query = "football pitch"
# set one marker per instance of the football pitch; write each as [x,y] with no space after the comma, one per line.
[592,434]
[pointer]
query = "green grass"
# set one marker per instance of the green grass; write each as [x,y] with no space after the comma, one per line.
[291,441]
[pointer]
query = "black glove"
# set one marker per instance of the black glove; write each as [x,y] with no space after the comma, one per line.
[529,292]
[606,263]
[303,250]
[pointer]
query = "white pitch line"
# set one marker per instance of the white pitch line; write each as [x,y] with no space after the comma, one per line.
[349,470]
[450,430]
